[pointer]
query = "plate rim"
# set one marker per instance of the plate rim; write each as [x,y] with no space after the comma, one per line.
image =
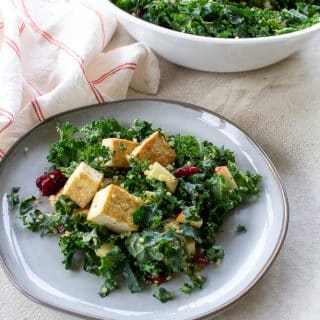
[208,314]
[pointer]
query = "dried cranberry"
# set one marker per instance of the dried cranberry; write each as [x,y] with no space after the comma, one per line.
[51,182]
[201,260]
[186,171]
[61,228]
[155,279]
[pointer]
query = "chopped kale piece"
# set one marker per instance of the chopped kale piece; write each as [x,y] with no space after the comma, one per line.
[162,294]
[13,197]
[241,229]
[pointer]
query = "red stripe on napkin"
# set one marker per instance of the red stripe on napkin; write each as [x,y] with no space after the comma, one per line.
[7,114]
[35,104]
[33,87]
[37,110]
[14,47]
[8,124]
[1,153]
[106,75]
[22,27]
[64,47]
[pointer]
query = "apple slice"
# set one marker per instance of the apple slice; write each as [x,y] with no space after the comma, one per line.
[181,218]
[158,172]
[224,171]
[104,249]
[191,246]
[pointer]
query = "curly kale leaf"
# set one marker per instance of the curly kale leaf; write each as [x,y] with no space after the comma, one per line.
[26,205]
[241,229]
[196,282]
[215,254]
[35,220]
[147,215]
[109,270]
[72,148]
[131,278]
[227,18]
[67,149]
[110,128]
[97,157]
[13,197]
[139,130]
[202,154]
[158,247]
[64,205]
[163,294]
[101,129]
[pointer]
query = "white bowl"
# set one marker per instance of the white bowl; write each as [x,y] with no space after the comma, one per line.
[214,54]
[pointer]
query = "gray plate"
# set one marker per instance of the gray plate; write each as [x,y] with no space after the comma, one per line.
[34,263]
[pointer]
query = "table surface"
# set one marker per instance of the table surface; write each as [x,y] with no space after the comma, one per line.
[279,106]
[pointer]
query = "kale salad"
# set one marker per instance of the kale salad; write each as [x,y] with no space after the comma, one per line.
[226,18]
[134,205]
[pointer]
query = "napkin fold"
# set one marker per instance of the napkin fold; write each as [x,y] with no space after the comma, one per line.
[54,57]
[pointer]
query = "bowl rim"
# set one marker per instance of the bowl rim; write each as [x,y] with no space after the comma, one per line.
[192,37]
[209,313]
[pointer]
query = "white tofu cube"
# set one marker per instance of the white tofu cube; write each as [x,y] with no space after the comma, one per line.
[82,185]
[113,207]
[155,148]
[120,149]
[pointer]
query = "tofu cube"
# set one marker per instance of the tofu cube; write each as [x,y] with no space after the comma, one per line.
[120,148]
[155,148]
[158,172]
[80,212]
[113,207]
[82,185]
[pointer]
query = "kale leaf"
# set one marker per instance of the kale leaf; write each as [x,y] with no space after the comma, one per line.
[241,229]
[227,18]
[131,278]
[162,294]
[108,270]
[13,197]
[202,154]
[146,215]
[196,282]
[67,149]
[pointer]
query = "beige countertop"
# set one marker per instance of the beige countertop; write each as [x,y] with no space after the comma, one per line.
[279,106]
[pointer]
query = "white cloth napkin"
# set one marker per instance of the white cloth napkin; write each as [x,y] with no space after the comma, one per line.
[52,59]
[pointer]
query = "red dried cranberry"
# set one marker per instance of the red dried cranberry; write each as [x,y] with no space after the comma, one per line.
[155,279]
[201,260]
[61,228]
[51,182]
[186,171]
